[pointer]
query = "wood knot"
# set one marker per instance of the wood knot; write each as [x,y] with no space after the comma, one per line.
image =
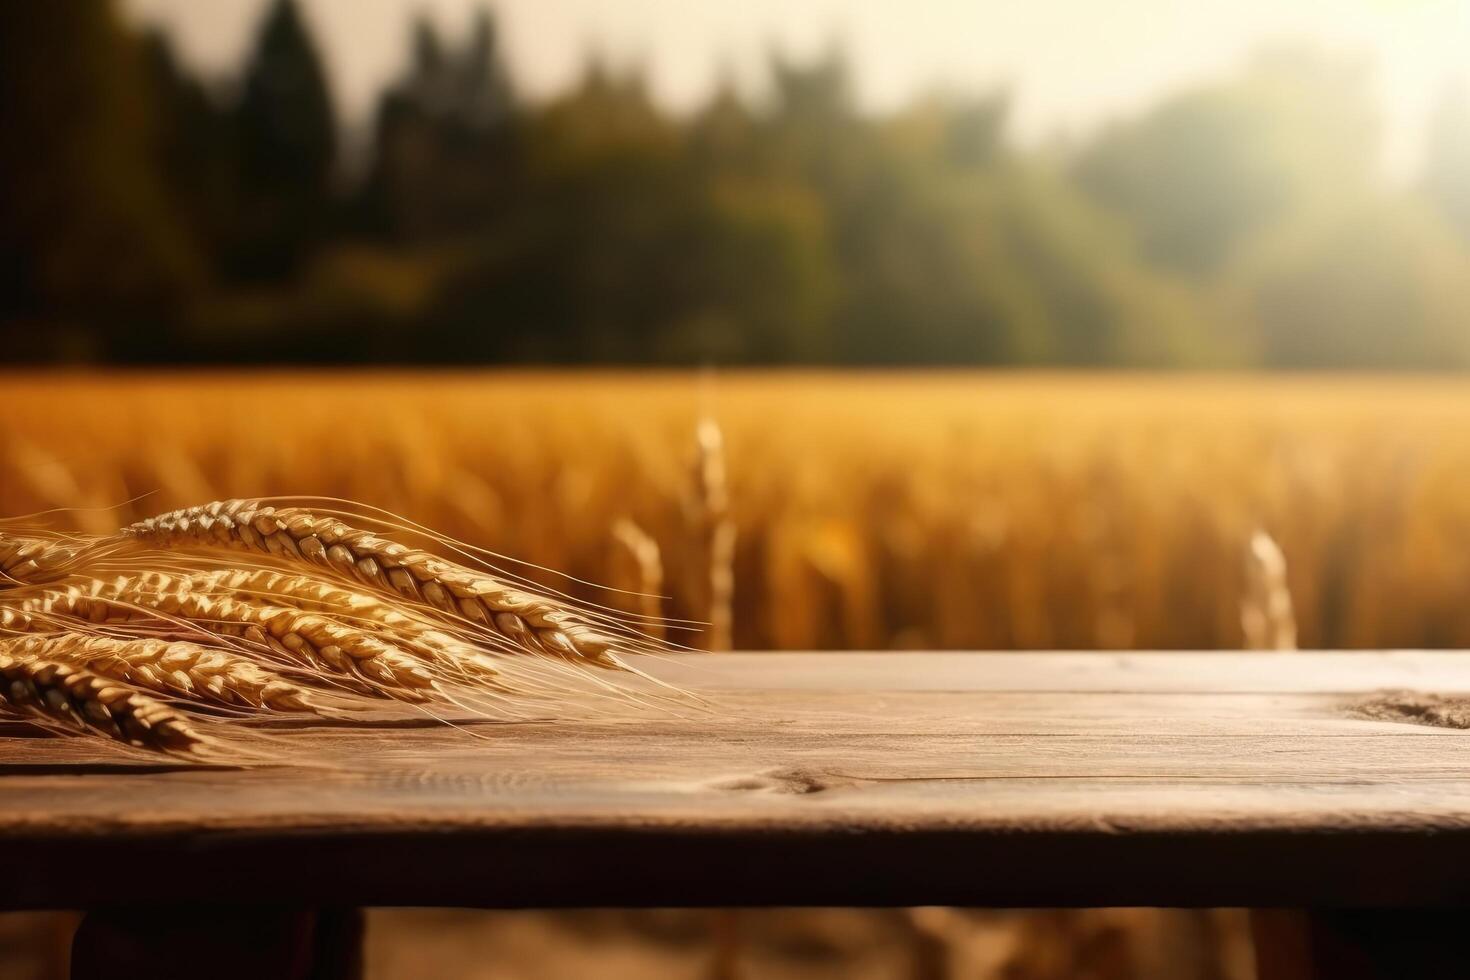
[789,780]
[1415,708]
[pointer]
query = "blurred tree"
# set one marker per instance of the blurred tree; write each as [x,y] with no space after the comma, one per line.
[958,251]
[446,144]
[722,134]
[974,130]
[1100,303]
[762,271]
[762,278]
[634,241]
[1264,192]
[1239,220]
[608,119]
[812,131]
[288,142]
[922,277]
[1447,170]
[486,97]
[816,96]
[1384,284]
[196,150]
[565,275]
[86,234]
[1201,174]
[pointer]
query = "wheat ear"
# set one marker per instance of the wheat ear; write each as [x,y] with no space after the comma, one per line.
[75,699]
[529,621]
[25,560]
[179,669]
[459,658]
[716,532]
[293,636]
[327,596]
[1266,614]
[643,574]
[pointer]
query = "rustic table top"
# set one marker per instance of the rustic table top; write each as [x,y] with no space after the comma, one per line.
[851,779]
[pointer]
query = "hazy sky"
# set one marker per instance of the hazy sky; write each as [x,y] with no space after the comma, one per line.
[1071,64]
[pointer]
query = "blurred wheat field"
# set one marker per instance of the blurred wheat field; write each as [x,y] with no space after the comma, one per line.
[945,510]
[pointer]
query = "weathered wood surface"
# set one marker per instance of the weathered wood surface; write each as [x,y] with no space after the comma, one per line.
[982,779]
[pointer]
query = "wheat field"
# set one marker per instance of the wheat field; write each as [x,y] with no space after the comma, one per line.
[962,510]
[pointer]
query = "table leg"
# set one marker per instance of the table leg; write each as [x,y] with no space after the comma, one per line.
[1358,944]
[168,942]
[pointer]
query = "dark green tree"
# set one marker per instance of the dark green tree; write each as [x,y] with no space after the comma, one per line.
[87,235]
[485,97]
[195,147]
[722,134]
[288,139]
[957,250]
[446,140]
[812,130]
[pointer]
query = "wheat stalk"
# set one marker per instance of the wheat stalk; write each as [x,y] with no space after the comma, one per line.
[1266,614]
[181,669]
[78,700]
[716,534]
[644,575]
[529,621]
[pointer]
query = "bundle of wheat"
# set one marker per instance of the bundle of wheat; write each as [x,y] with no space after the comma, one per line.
[161,634]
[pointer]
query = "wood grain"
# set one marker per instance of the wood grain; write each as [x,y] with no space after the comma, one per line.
[845,779]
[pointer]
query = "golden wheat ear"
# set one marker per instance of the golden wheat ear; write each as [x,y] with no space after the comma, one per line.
[641,575]
[716,534]
[494,607]
[72,699]
[171,669]
[1266,616]
[37,557]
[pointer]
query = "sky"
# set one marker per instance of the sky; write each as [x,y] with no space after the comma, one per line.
[1070,65]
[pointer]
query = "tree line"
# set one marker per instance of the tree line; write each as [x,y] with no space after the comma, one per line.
[150,215]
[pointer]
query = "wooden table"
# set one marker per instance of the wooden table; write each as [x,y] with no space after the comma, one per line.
[1048,779]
